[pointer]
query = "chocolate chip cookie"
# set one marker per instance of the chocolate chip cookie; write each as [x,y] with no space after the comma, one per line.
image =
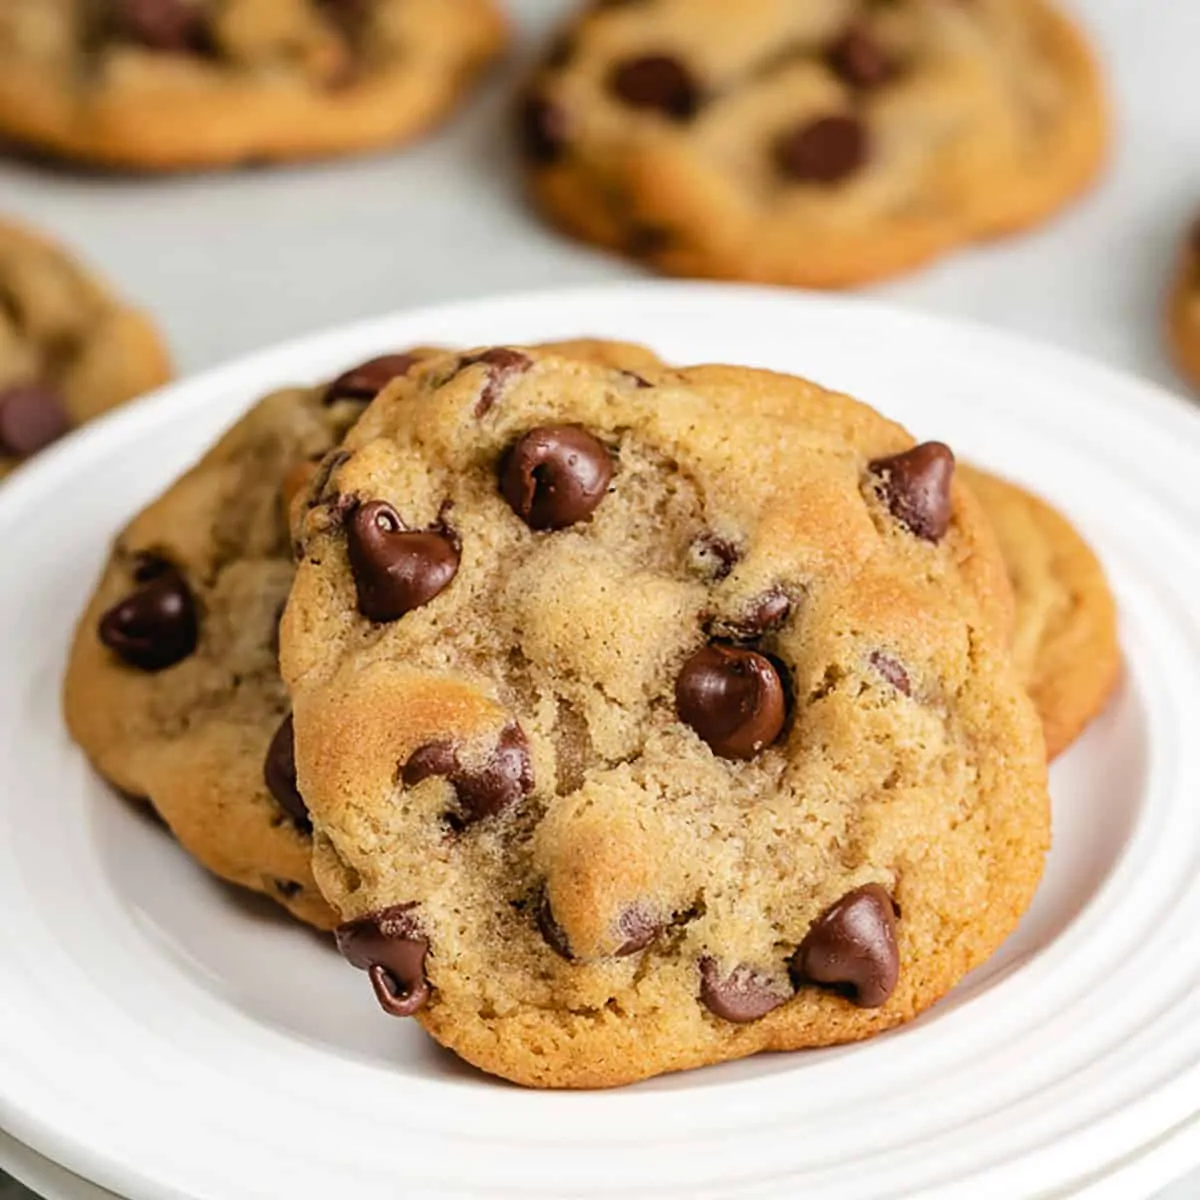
[648,719]
[68,349]
[1183,310]
[818,144]
[168,84]
[173,685]
[1065,646]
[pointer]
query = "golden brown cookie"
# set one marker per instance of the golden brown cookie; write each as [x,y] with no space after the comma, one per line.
[1065,647]
[169,84]
[69,350]
[821,144]
[1183,309]
[172,685]
[649,720]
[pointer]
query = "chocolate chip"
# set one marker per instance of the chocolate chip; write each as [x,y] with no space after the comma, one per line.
[279,774]
[734,699]
[396,570]
[852,948]
[484,791]
[368,379]
[155,626]
[637,929]
[892,671]
[555,476]
[741,996]
[173,26]
[32,415]
[543,128]
[764,615]
[860,60]
[916,487]
[715,556]
[503,363]
[656,81]
[391,947]
[826,150]
[552,931]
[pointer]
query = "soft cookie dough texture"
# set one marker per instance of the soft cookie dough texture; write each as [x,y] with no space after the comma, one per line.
[69,350]
[169,84]
[651,718]
[822,143]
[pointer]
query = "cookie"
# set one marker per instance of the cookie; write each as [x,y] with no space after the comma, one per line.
[170,84]
[69,350]
[1183,309]
[821,144]
[172,685]
[1065,646]
[649,720]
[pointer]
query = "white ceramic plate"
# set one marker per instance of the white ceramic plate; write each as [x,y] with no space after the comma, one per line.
[165,1037]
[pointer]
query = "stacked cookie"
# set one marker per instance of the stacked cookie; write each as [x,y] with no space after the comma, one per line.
[621,718]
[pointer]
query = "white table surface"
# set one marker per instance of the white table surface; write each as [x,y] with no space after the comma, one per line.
[232,263]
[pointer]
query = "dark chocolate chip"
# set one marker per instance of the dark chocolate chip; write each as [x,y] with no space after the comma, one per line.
[916,487]
[892,671]
[717,554]
[484,791]
[172,26]
[155,626]
[555,476]
[32,415]
[852,948]
[503,363]
[741,996]
[860,60]
[656,81]
[364,382]
[637,929]
[543,128]
[734,699]
[279,774]
[825,150]
[764,615]
[396,570]
[391,947]
[552,931]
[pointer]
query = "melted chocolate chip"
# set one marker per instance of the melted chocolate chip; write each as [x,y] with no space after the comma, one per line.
[279,774]
[503,363]
[364,382]
[742,996]
[826,150]
[656,81]
[171,26]
[860,60]
[484,791]
[396,570]
[155,626]
[637,929]
[555,476]
[764,615]
[543,128]
[734,699]
[892,671]
[552,931]
[715,555]
[916,487]
[852,948]
[32,415]
[390,946]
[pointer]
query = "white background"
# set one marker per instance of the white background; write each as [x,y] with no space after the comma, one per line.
[231,263]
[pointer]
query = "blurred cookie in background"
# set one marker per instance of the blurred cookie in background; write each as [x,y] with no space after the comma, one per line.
[820,144]
[170,84]
[1065,643]
[69,350]
[1183,309]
